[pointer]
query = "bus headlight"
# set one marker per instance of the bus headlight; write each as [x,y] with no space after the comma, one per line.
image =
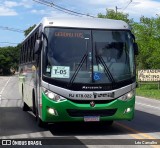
[52,95]
[127,96]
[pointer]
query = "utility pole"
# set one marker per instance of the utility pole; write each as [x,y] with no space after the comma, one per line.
[116,9]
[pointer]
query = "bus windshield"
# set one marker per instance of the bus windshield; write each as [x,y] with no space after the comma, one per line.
[88,56]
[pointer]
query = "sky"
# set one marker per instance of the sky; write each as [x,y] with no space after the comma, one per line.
[21,14]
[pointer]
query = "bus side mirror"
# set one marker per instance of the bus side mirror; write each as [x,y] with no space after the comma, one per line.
[38,46]
[135,46]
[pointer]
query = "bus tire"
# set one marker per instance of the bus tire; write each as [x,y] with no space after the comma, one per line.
[25,107]
[40,123]
[34,102]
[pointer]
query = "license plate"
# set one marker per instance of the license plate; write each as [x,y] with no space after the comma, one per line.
[91,118]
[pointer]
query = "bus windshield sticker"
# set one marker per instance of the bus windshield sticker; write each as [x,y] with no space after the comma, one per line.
[69,34]
[97,76]
[60,72]
[48,69]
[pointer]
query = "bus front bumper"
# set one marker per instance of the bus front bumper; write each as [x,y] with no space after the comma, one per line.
[69,111]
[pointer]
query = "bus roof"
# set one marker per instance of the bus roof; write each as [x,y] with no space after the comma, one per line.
[94,23]
[77,22]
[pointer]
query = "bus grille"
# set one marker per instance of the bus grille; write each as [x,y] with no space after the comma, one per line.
[82,113]
[88,101]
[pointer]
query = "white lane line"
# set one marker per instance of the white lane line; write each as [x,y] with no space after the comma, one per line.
[4,88]
[29,135]
[158,108]
[5,85]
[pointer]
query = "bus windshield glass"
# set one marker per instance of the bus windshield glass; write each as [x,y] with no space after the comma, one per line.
[88,56]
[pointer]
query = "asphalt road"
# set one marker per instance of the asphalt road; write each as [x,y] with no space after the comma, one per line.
[14,123]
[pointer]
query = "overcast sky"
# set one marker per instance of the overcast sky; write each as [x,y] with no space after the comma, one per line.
[21,14]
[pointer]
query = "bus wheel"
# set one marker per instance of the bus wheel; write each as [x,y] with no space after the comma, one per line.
[40,123]
[25,107]
[34,103]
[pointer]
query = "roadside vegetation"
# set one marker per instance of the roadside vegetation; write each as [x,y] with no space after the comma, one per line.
[9,59]
[148,91]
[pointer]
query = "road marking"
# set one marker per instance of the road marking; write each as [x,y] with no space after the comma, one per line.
[148,105]
[5,85]
[29,135]
[138,134]
[4,88]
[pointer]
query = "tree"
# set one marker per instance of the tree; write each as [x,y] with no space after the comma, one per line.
[147,34]
[111,14]
[27,31]
[9,58]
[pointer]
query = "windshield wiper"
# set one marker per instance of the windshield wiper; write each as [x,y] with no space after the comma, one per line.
[100,59]
[80,64]
[78,68]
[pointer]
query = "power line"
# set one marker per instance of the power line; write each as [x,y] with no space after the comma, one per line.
[51,4]
[11,29]
[54,7]
[124,7]
[127,5]
[72,10]
[8,43]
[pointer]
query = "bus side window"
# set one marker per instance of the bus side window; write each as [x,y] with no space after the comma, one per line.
[33,44]
[22,53]
[25,52]
[28,51]
[32,48]
[20,58]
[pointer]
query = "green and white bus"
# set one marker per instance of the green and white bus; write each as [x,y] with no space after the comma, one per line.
[79,69]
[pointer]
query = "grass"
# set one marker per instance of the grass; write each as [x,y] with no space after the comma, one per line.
[148,91]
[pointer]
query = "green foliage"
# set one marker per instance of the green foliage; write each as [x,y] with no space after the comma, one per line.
[155,93]
[147,34]
[111,14]
[147,86]
[9,57]
[27,31]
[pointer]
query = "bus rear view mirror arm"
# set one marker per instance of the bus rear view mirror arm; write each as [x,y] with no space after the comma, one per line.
[135,46]
[38,46]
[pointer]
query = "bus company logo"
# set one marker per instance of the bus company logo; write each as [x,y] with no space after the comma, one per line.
[92,103]
[91,87]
